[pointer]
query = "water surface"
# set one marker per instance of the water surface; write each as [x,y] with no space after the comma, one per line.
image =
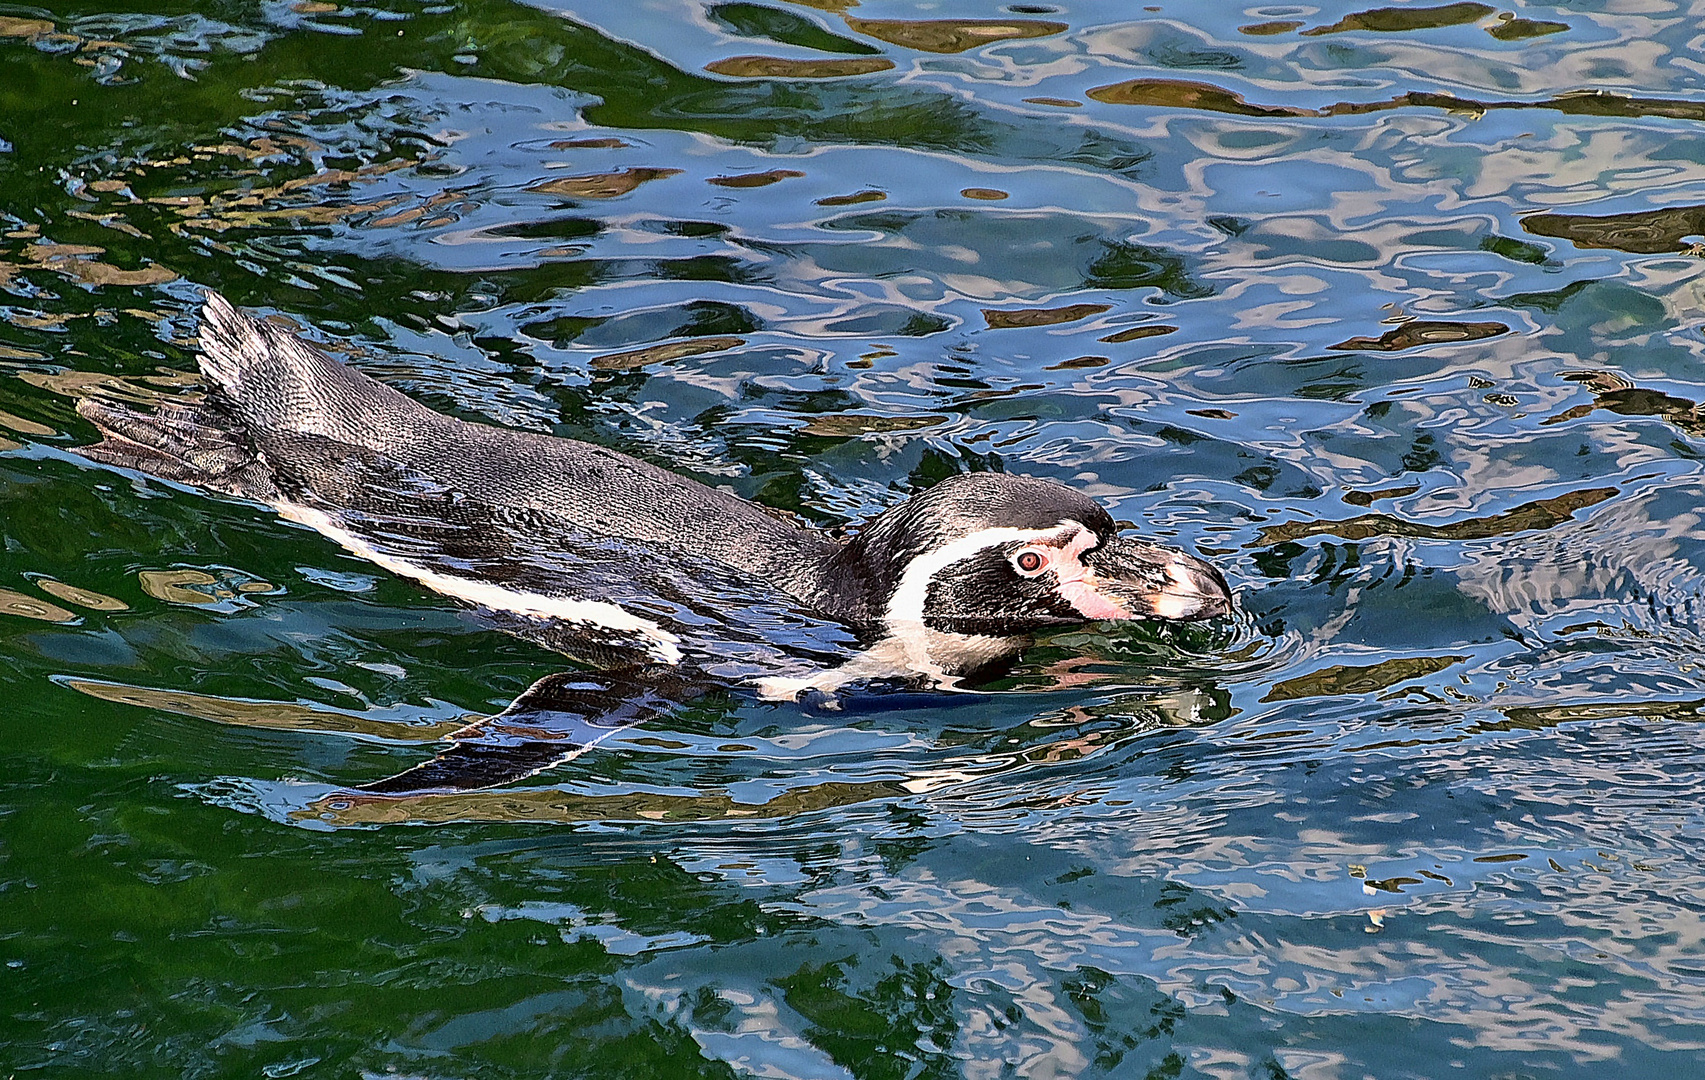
[1394,313]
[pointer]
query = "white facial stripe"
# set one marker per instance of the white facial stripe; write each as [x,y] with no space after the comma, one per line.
[907,604]
[1069,566]
[663,645]
[1081,541]
[1078,583]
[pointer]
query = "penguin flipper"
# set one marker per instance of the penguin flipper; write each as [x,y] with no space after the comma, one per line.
[555,720]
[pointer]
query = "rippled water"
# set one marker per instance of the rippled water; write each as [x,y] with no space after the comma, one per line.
[1395,314]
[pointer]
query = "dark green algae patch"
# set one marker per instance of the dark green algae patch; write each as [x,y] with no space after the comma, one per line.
[504,41]
[787,27]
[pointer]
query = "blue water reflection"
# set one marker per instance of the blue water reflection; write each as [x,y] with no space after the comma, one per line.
[1398,323]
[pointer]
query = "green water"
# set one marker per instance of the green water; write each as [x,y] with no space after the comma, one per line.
[1394,314]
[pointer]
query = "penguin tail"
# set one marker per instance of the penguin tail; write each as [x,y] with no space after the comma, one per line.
[266,388]
[198,445]
[273,381]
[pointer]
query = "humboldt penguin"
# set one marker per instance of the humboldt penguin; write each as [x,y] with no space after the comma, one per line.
[662,585]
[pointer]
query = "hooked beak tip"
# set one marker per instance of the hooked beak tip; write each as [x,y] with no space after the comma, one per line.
[1150,582]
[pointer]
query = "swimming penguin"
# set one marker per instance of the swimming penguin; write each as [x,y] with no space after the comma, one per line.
[660,583]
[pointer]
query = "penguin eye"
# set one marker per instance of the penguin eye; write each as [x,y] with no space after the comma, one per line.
[1029,562]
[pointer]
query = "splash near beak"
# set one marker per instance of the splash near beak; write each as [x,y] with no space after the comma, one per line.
[1142,581]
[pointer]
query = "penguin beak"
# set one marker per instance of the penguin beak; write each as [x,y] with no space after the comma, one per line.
[1155,582]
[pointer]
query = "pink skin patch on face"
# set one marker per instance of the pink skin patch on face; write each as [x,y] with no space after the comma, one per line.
[1077,581]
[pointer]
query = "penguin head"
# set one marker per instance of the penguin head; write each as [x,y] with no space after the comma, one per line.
[996,555]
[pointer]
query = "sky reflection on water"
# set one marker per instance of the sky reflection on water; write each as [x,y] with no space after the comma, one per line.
[1395,317]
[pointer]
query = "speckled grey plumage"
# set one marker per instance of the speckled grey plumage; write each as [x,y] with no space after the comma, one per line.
[274,382]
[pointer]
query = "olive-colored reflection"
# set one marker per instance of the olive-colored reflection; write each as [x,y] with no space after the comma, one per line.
[1268,29]
[869,195]
[1187,94]
[608,142]
[270,715]
[1007,320]
[79,263]
[754,180]
[555,806]
[952,35]
[1646,232]
[1522,29]
[1539,514]
[1058,103]
[88,598]
[1137,333]
[135,389]
[1574,103]
[1341,679]
[850,425]
[12,26]
[1394,20]
[782,67]
[24,427]
[1419,332]
[1538,717]
[1390,885]
[634,359]
[1357,497]
[196,587]
[1130,714]
[1516,250]
[1615,393]
[1079,362]
[172,586]
[13,602]
[301,200]
[602,185]
[985,194]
